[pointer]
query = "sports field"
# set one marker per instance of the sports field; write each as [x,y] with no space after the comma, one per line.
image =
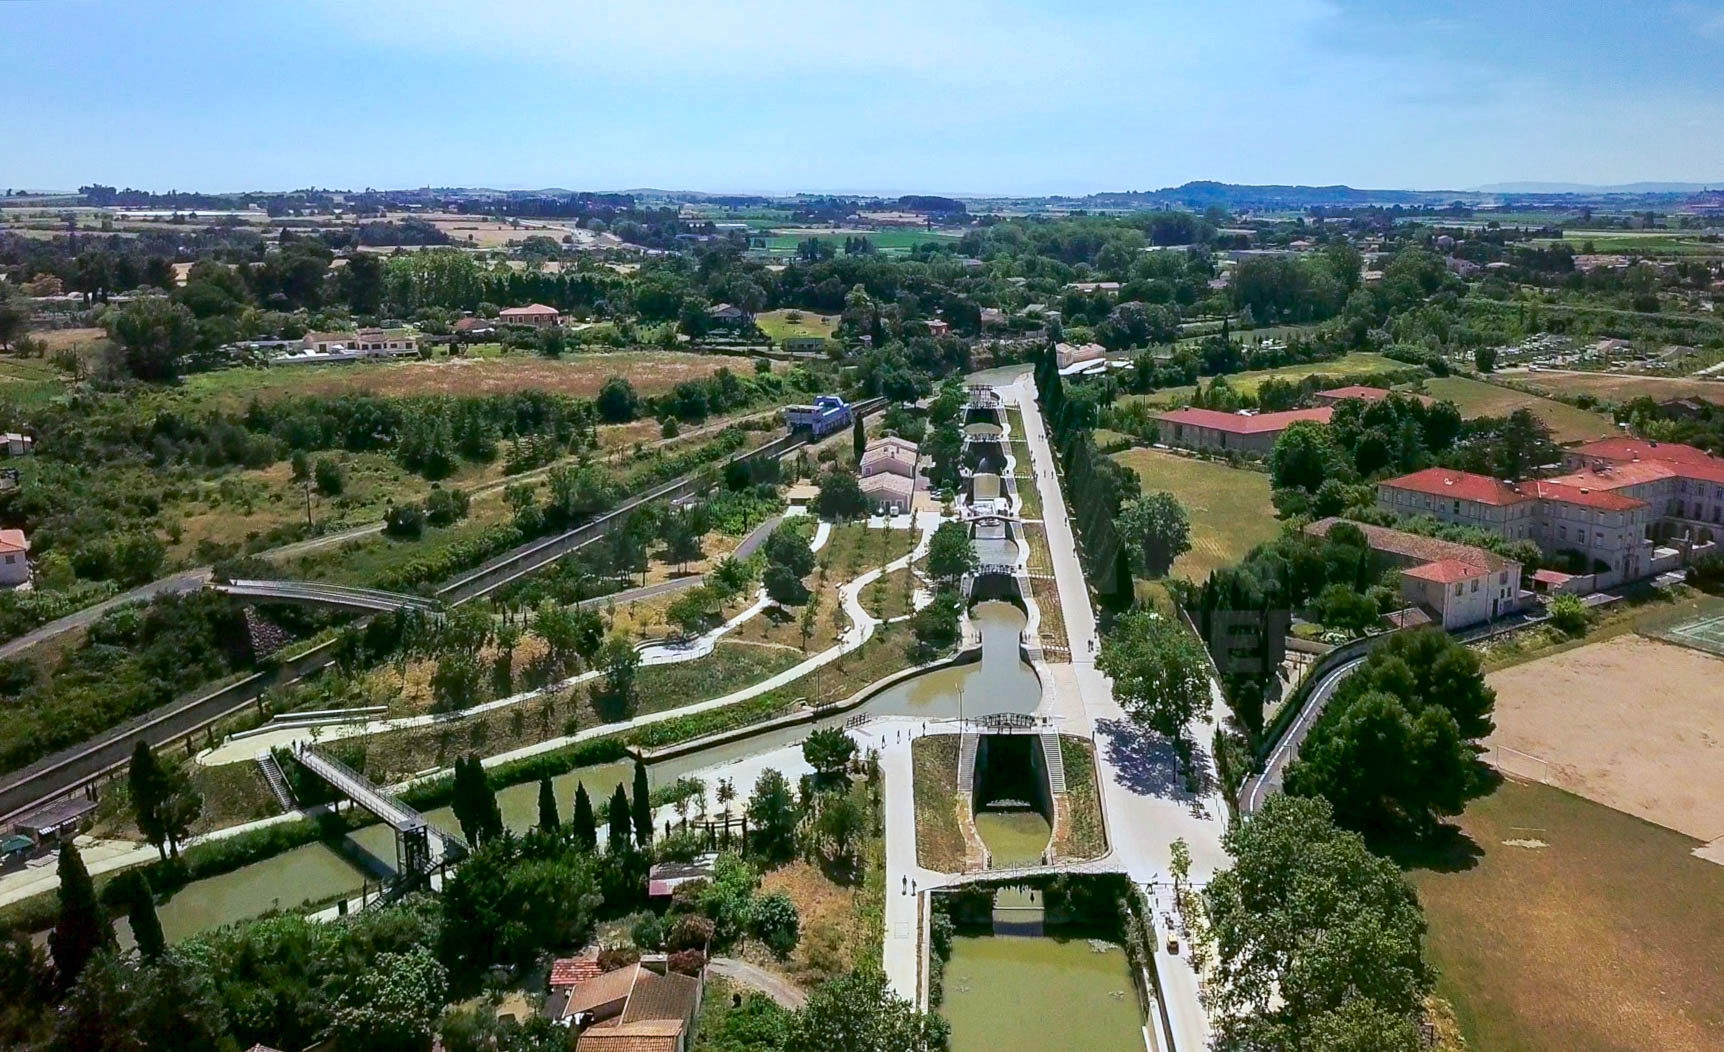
[1616,387]
[1560,925]
[1633,723]
[1228,507]
[1475,398]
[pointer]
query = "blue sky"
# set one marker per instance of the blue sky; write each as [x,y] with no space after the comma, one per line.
[940,96]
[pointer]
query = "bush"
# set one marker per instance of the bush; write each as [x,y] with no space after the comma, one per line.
[690,931]
[329,477]
[1568,615]
[404,520]
[686,962]
[613,957]
[775,923]
[445,506]
[648,933]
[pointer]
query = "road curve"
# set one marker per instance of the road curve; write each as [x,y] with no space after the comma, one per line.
[1258,788]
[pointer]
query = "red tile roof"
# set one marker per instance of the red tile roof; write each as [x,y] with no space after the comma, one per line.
[1414,547]
[1369,394]
[13,541]
[1245,423]
[530,309]
[1459,485]
[1641,449]
[1446,571]
[567,971]
[1575,489]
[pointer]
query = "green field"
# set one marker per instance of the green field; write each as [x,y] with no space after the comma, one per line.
[1478,398]
[1565,926]
[781,325]
[1229,507]
[890,241]
[1342,369]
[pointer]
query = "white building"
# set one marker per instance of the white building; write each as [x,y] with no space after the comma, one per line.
[14,558]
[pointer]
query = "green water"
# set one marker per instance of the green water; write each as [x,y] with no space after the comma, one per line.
[1015,836]
[311,872]
[1007,993]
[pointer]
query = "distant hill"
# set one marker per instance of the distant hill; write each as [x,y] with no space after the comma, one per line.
[1587,188]
[1204,193]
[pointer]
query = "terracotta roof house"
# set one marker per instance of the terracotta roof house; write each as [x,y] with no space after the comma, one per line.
[1368,394]
[889,454]
[1457,585]
[1246,432]
[14,558]
[634,1009]
[535,314]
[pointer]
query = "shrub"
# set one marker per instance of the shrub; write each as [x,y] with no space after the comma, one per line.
[648,932]
[686,962]
[690,931]
[775,923]
[613,957]
[1568,614]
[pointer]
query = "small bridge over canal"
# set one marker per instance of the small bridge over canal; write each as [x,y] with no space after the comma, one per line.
[413,832]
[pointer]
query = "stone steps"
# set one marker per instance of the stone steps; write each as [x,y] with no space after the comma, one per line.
[277,781]
[1056,763]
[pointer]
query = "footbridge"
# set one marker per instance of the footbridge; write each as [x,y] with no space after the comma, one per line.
[413,832]
[332,596]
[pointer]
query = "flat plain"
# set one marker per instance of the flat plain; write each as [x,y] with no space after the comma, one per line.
[1228,507]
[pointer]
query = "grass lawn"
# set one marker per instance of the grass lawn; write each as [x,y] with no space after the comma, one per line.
[786,240]
[1228,507]
[32,381]
[1357,364]
[1036,536]
[1029,494]
[1576,929]
[1478,398]
[939,838]
[889,595]
[789,324]
[1082,834]
[1046,593]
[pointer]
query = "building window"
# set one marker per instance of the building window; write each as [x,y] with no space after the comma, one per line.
[1457,590]
[1475,584]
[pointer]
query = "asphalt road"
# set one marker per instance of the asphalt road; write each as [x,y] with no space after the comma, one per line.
[1269,780]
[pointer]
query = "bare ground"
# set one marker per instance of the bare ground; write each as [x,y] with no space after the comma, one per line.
[1632,723]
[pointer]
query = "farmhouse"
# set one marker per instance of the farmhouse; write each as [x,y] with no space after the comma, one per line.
[352,346]
[1359,391]
[1246,432]
[14,558]
[1457,585]
[889,474]
[937,328]
[726,314]
[632,1009]
[1070,354]
[535,314]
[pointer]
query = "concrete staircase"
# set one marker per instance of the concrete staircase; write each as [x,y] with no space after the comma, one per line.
[967,761]
[1056,763]
[277,781]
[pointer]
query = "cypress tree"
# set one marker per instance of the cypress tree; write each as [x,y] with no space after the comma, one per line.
[148,788]
[548,818]
[81,929]
[858,439]
[619,816]
[585,826]
[141,912]
[642,808]
[461,802]
[490,812]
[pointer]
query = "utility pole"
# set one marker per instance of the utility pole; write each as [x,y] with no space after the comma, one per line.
[309,525]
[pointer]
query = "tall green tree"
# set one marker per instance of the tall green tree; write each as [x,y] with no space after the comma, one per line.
[549,820]
[582,821]
[619,822]
[858,1012]
[1160,672]
[148,789]
[951,554]
[141,915]
[859,437]
[828,750]
[81,928]
[1156,531]
[772,816]
[1318,941]
[1305,456]
[641,808]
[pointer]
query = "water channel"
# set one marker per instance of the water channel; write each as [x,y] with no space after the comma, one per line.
[1017,993]
[1000,682]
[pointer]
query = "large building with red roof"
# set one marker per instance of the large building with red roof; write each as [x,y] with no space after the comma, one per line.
[1215,430]
[1621,495]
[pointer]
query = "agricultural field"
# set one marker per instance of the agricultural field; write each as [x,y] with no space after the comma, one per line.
[1617,387]
[781,325]
[1474,398]
[1559,925]
[1361,363]
[784,240]
[1621,722]
[31,380]
[1229,507]
[1642,242]
[581,376]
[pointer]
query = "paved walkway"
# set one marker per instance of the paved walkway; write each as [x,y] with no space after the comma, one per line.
[1144,801]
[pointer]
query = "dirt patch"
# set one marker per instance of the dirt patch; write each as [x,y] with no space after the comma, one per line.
[582,376]
[1630,722]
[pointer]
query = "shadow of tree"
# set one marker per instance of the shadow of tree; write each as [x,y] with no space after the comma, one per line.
[1448,849]
[1147,762]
